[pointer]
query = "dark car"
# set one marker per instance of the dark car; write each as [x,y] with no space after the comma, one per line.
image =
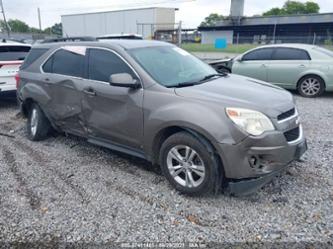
[156,101]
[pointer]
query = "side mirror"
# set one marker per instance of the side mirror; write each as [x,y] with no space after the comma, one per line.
[239,59]
[124,80]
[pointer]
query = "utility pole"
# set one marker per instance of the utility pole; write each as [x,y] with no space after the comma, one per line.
[39,19]
[4,19]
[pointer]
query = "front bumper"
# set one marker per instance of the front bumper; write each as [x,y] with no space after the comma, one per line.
[253,162]
[248,186]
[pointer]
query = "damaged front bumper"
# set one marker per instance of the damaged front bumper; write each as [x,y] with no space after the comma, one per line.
[255,161]
[249,186]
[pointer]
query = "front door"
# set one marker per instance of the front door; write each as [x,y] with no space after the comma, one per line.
[112,114]
[254,64]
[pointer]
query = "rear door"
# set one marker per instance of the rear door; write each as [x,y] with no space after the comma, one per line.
[113,114]
[11,58]
[287,65]
[254,64]
[63,80]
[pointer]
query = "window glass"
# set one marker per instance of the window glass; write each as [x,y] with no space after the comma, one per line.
[259,55]
[103,63]
[65,62]
[68,63]
[47,68]
[34,54]
[290,54]
[13,53]
[170,65]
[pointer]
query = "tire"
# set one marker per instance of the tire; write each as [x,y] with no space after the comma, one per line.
[202,165]
[38,126]
[311,86]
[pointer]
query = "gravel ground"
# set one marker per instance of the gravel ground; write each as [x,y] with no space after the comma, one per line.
[64,189]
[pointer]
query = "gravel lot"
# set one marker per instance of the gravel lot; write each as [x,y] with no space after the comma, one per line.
[64,189]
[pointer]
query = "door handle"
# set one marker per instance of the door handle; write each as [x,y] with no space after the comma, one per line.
[263,65]
[89,91]
[302,66]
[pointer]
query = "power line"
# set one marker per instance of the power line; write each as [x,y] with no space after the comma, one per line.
[4,19]
[118,5]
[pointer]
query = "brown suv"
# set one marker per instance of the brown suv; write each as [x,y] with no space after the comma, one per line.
[156,101]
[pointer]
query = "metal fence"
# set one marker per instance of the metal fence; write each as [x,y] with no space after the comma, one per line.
[262,39]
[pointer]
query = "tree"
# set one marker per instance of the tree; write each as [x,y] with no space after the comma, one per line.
[294,7]
[18,26]
[212,19]
[57,29]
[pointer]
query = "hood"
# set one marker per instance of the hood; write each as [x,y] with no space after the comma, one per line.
[239,91]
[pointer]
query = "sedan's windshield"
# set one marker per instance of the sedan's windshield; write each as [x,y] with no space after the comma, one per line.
[172,66]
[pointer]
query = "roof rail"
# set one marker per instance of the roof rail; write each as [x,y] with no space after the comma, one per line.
[70,39]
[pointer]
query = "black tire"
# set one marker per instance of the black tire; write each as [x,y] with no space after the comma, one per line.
[41,124]
[213,173]
[304,86]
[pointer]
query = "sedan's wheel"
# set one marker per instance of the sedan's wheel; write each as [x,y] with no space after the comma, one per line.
[38,125]
[311,86]
[189,165]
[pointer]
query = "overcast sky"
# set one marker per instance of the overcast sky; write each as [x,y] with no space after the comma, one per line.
[191,12]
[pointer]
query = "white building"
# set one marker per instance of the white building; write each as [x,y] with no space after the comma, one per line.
[143,21]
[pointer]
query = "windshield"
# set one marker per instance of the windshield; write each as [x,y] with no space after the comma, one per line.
[325,51]
[170,65]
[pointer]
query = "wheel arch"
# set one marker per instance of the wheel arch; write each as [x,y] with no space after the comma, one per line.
[166,132]
[312,73]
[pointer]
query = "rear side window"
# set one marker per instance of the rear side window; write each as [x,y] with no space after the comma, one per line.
[13,53]
[290,54]
[259,55]
[34,54]
[103,63]
[65,62]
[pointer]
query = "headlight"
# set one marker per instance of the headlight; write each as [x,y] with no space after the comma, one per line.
[253,122]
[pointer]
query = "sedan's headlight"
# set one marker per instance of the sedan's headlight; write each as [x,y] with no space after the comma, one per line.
[253,122]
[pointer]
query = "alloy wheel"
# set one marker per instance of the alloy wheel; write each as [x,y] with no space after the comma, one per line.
[186,166]
[34,122]
[310,86]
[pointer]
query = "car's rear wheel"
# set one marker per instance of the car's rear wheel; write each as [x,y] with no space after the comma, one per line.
[38,126]
[311,86]
[189,165]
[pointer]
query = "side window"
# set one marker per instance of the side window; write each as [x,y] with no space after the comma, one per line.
[259,55]
[66,62]
[47,68]
[103,63]
[290,54]
[33,55]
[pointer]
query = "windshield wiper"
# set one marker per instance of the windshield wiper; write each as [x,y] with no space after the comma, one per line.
[184,84]
[193,83]
[210,76]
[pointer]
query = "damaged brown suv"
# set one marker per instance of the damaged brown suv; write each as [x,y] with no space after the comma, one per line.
[156,101]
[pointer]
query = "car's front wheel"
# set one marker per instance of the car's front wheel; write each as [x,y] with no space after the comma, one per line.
[311,86]
[189,165]
[38,126]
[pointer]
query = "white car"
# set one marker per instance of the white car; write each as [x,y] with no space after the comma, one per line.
[12,55]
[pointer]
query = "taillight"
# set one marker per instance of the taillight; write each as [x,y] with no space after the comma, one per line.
[17,78]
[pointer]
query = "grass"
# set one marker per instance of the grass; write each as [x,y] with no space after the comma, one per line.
[235,49]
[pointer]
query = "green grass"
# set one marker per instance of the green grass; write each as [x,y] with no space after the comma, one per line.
[236,49]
